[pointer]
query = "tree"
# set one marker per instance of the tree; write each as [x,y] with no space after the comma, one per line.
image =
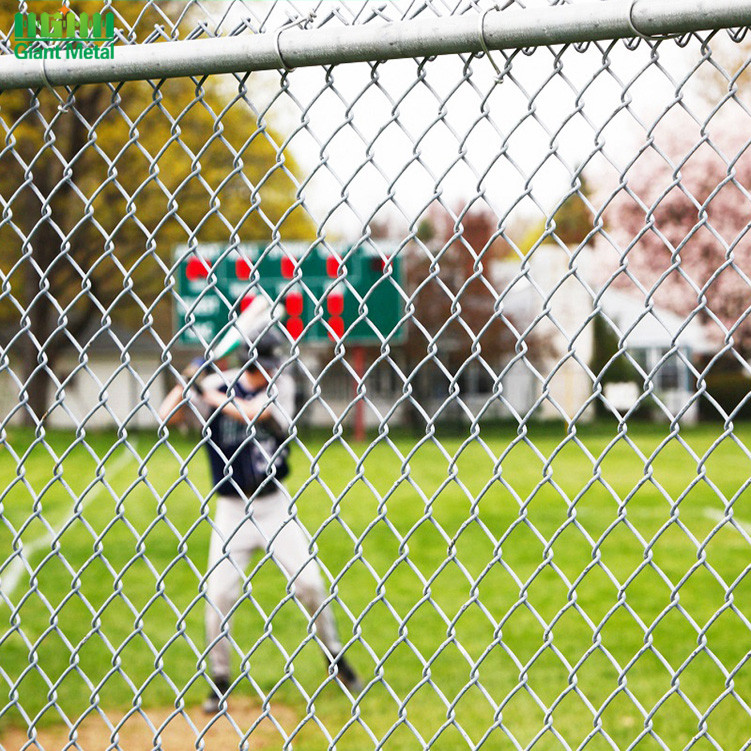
[681,223]
[96,193]
[456,316]
[571,222]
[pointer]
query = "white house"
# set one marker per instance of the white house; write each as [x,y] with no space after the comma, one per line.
[664,345]
[553,293]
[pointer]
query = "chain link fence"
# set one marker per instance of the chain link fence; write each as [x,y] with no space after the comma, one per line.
[512,292]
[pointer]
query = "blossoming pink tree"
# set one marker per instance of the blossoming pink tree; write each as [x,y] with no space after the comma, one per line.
[681,223]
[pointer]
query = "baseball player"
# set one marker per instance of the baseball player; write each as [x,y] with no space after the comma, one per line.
[247,412]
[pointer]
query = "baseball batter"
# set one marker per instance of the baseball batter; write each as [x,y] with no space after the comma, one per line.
[247,412]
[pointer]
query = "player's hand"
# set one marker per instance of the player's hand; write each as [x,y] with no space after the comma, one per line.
[194,373]
[215,398]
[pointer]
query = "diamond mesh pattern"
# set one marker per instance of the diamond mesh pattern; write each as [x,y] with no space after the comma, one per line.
[527,494]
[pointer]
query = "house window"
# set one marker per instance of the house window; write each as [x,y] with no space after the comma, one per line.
[669,374]
[475,379]
[383,380]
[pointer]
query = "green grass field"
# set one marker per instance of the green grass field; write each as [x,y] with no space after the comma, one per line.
[497,592]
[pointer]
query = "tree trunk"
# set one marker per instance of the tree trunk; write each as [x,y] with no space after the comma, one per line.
[43,246]
[45,283]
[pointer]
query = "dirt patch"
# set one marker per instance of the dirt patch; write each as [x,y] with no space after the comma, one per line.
[165,729]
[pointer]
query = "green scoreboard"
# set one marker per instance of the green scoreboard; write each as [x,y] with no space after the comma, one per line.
[322,294]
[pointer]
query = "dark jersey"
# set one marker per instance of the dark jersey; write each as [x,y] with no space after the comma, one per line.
[246,457]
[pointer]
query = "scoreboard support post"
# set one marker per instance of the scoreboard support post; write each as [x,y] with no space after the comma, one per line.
[358,362]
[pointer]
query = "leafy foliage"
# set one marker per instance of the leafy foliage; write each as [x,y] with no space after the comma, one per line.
[96,195]
[608,359]
[449,278]
[571,222]
[682,225]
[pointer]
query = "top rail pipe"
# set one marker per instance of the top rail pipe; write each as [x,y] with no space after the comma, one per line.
[508,29]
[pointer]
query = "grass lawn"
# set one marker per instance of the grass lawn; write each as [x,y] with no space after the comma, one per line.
[499,591]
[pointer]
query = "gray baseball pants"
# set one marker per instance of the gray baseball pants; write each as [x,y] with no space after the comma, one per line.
[265,524]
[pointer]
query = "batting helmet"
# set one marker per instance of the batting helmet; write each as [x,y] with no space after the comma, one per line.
[266,352]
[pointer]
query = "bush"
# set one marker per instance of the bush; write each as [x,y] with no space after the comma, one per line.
[618,370]
[728,389]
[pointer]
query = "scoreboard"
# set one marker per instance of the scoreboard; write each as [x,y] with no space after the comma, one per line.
[320,293]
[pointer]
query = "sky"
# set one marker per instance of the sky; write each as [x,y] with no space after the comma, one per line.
[410,131]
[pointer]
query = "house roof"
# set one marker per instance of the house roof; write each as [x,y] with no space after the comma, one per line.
[645,326]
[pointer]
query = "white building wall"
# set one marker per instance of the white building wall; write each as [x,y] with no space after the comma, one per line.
[545,293]
[105,394]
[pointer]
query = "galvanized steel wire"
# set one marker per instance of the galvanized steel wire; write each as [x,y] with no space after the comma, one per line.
[448,121]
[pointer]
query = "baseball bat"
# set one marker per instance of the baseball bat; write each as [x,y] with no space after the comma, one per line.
[248,324]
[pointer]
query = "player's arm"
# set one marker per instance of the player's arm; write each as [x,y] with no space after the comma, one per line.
[172,409]
[242,410]
[275,404]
